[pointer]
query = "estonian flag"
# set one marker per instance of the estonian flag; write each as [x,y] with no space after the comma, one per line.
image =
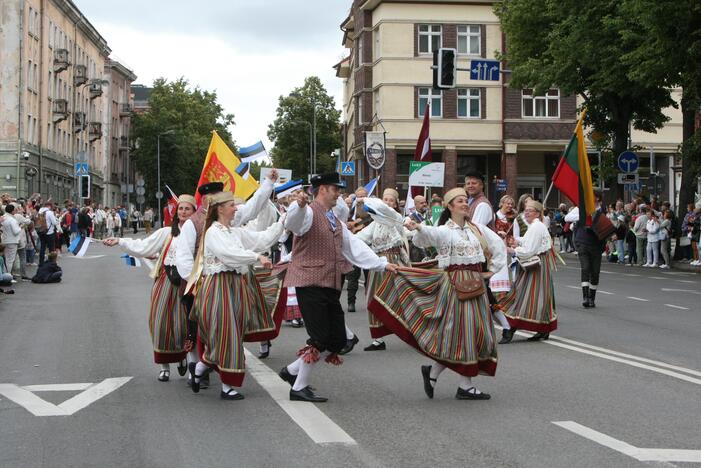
[253,152]
[79,246]
[286,189]
[131,261]
[243,170]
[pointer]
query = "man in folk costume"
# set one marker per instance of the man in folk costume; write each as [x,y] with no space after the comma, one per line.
[479,209]
[322,250]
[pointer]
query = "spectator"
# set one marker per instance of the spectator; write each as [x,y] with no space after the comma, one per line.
[11,232]
[148,220]
[665,234]
[640,229]
[695,231]
[47,236]
[631,241]
[113,223]
[84,222]
[49,272]
[5,276]
[99,222]
[32,241]
[135,217]
[21,258]
[653,240]
[685,239]
[73,227]
[620,238]
[122,212]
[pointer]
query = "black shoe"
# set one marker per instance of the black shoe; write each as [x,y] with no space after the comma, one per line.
[592,297]
[539,336]
[297,323]
[350,344]
[507,336]
[286,376]
[351,307]
[164,375]
[426,375]
[231,396]
[471,395]
[192,367]
[586,302]
[306,395]
[376,347]
[263,355]
[182,368]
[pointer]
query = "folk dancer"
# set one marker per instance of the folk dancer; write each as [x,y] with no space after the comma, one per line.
[445,313]
[323,248]
[500,284]
[167,314]
[531,303]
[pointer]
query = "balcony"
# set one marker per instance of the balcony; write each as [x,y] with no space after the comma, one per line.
[61,60]
[95,89]
[60,110]
[94,131]
[125,110]
[80,75]
[79,122]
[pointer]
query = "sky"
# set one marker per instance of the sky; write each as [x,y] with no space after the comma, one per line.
[249,51]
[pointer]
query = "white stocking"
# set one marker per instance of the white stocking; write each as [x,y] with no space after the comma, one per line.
[349,333]
[199,370]
[165,367]
[466,384]
[436,370]
[264,346]
[303,376]
[502,320]
[293,368]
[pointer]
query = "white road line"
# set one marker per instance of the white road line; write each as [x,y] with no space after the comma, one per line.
[681,290]
[319,427]
[608,272]
[686,281]
[92,394]
[640,454]
[657,277]
[32,403]
[70,387]
[574,287]
[630,274]
[637,299]
[677,307]
[604,292]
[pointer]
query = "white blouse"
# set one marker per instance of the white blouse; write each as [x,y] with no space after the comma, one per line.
[536,241]
[229,248]
[459,246]
[386,231]
[150,246]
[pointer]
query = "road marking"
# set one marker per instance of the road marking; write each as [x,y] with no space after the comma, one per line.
[687,281]
[657,277]
[640,454]
[604,292]
[574,287]
[90,393]
[608,272]
[319,427]
[630,274]
[677,307]
[681,290]
[637,299]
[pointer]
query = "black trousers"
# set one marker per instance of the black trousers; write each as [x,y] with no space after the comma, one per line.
[48,242]
[323,317]
[590,261]
[353,277]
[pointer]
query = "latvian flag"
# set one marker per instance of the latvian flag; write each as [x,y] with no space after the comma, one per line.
[131,261]
[79,246]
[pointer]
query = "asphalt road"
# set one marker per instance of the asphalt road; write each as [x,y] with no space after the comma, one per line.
[622,382]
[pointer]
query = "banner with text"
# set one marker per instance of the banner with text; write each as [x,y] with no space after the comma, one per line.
[426,174]
[375,149]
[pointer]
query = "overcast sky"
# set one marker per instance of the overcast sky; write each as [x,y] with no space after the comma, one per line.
[249,51]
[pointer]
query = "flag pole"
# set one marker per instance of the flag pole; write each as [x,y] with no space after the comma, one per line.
[545,200]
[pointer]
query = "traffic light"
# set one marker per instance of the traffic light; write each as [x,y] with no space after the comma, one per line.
[84,186]
[444,68]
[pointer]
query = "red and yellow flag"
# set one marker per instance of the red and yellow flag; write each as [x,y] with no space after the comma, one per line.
[573,174]
[220,166]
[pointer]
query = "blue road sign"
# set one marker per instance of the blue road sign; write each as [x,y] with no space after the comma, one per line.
[501,185]
[628,161]
[487,70]
[82,169]
[348,168]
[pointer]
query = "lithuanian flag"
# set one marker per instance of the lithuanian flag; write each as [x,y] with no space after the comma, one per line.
[573,175]
[220,166]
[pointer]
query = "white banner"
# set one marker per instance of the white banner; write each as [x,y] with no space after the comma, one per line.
[285,174]
[375,149]
[426,174]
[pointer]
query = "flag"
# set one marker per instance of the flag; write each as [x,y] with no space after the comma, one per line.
[573,174]
[286,189]
[421,153]
[169,209]
[220,166]
[253,152]
[370,186]
[131,261]
[79,246]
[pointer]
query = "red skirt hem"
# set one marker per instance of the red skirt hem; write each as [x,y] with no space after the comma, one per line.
[380,332]
[168,358]
[532,326]
[234,379]
[278,315]
[487,367]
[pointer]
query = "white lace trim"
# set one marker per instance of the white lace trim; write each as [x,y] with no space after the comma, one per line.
[212,265]
[170,254]
[385,237]
[462,248]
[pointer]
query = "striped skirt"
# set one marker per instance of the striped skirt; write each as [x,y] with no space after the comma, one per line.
[375,278]
[530,305]
[233,308]
[422,308]
[292,311]
[167,320]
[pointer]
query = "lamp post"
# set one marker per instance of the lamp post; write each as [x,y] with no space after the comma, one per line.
[314,132]
[312,154]
[159,194]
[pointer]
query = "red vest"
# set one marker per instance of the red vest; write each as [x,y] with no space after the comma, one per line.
[473,206]
[317,256]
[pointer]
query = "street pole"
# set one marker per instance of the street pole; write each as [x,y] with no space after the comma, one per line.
[158,183]
[314,132]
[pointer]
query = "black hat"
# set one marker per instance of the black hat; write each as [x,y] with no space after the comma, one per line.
[212,187]
[330,178]
[475,175]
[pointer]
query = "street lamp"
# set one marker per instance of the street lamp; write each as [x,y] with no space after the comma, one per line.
[313,130]
[159,194]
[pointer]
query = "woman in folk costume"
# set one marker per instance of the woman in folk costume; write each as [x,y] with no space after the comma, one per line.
[520,224]
[445,313]
[386,238]
[167,316]
[500,283]
[227,305]
[531,303]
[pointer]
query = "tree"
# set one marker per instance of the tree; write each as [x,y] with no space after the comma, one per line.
[577,47]
[192,114]
[668,53]
[290,132]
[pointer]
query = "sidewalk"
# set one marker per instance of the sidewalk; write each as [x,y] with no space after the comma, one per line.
[678,266]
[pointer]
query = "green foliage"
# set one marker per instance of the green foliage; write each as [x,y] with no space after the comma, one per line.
[577,47]
[192,114]
[291,135]
[256,166]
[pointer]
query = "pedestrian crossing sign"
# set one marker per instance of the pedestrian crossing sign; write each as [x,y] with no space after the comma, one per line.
[348,168]
[81,169]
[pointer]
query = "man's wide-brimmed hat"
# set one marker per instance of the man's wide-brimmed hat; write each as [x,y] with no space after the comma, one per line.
[330,178]
[211,187]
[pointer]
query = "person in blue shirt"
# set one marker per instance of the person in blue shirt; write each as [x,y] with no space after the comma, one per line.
[123,215]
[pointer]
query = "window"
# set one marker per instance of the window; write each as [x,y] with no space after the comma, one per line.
[361,58]
[469,105]
[429,38]
[469,38]
[360,110]
[51,35]
[435,96]
[541,106]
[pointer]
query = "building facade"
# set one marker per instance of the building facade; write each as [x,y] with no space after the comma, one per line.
[56,100]
[485,126]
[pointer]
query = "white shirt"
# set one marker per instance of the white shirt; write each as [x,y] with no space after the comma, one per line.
[536,241]
[10,230]
[228,248]
[460,246]
[185,256]
[150,246]
[386,231]
[51,222]
[653,230]
[299,221]
[483,214]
